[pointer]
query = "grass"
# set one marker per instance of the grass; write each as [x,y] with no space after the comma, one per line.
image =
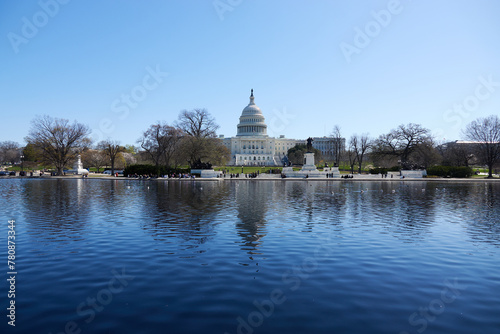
[39,167]
[99,175]
[26,168]
[14,169]
[482,177]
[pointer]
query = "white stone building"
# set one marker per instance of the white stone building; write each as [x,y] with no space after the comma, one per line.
[327,146]
[253,147]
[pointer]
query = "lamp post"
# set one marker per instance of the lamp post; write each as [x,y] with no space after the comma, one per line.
[22,162]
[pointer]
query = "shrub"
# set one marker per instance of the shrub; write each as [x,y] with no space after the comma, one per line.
[378,170]
[449,171]
[151,170]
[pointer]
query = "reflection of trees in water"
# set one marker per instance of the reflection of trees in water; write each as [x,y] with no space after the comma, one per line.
[252,200]
[321,202]
[183,209]
[301,197]
[56,210]
[413,211]
[482,213]
[405,209]
[473,204]
[188,210]
[416,206]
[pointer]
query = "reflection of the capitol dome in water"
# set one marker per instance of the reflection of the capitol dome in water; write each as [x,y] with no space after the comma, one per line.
[283,206]
[252,200]
[183,210]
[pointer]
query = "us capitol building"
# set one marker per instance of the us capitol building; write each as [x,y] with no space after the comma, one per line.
[253,147]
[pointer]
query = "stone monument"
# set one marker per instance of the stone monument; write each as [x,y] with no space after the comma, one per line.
[204,170]
[309,169]
[309,157]
[78,167]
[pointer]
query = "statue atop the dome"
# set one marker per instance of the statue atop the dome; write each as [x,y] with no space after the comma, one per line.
[309,145]
[252,93]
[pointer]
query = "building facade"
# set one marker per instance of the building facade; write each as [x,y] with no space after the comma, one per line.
[253,147]
[329,147]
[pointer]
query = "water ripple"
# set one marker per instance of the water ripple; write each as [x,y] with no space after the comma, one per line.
[336,257]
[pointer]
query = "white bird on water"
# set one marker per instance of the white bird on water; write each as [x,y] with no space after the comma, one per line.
[393,191]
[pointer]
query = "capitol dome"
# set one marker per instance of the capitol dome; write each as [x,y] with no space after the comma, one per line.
[252,122]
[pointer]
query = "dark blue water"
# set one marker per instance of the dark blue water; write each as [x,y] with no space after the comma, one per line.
[101,256]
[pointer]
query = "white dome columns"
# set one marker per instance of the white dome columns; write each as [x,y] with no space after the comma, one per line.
[252,122]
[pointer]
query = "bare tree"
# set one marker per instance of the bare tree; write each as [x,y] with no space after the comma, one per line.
[219,153]
[200,143]
[402,142]
[111,149]
[197,123]
[486,133]
[9,152]
[456,153]
[426,154]
[58,140]
[351,158]
[94,158]
[211,150]
[338,148]
[160,142]
[360,145]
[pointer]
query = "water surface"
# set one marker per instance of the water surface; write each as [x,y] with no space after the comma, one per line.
[131,256]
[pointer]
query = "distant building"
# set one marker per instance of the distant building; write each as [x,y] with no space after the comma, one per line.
[328,146]
[463,152]
[460,145]
[253,147]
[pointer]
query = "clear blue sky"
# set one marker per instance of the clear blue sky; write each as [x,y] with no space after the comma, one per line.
[80,59]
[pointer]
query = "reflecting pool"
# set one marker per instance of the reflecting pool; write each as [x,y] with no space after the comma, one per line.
[133,256]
